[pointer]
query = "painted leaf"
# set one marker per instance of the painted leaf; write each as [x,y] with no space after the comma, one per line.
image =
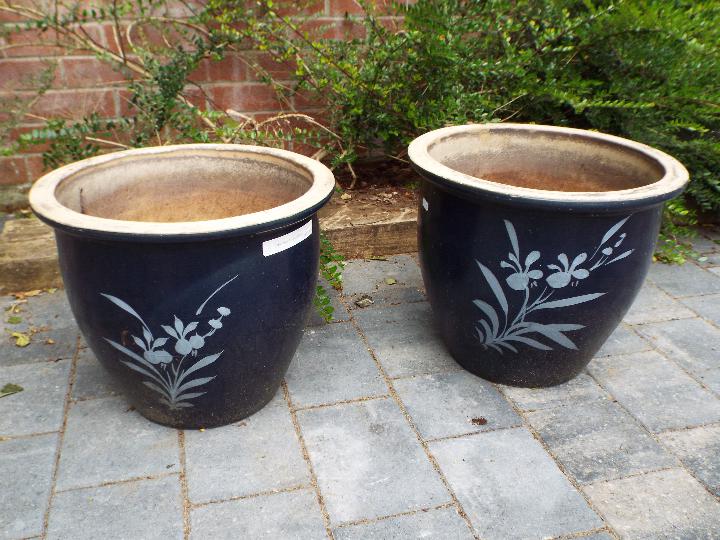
[130,353]
[565,327]
[529,341]
[178,326]
[190,327]
[191,395]
[551,333]
[612,230]
[182,405]
[488,310]
[159,342]
[194,383]
[621,256]
[494,347]
[124,306]
[170,330]
[206,361]
[507,345]
[569,301]
[146,373]
[148,336]
[495,286]
[513,238]
[139,342]
[488,333]
[155,387]
[531,258]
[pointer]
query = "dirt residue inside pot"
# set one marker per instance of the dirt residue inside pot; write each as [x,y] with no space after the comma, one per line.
[527,179]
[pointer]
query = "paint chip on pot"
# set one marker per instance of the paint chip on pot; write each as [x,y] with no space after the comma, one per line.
[286,241]
[425,204]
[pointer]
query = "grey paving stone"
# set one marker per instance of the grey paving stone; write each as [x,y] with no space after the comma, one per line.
[699,450]
[685,280]
[26,468]
[597,536]
[623,341]
[445,404]
[293,516]
[598,441]
[703,244]
[692,343]
[404,339]
[665,504]
[715,270]
[656,391]
[39,407]
[146,509]
[91,379]
[258,454]
[711,378]
[106,442]
[54,332]
[369,277]
[705,306]
[510,488]
[576,391]
[368,461]
[652,304]
[332,364]
[443,523]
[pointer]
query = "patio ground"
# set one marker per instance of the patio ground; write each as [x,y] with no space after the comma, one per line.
[377,433]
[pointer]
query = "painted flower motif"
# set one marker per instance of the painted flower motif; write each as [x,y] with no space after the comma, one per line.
[215,323]
[197,341]
[183,346]
[223,311]
[520,280]
[158,357]
[562,277]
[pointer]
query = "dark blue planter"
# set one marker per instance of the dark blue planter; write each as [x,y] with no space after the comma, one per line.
[197,320]
[534,242]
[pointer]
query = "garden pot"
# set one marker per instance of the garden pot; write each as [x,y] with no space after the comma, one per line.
[534,241]
[190,270]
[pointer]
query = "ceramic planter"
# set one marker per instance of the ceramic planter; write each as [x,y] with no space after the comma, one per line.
[190,270]
[534,242]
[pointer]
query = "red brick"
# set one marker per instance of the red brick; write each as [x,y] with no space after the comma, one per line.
[13,170]
[88,71]
[31,43]
[35,167]
[20,130]
[245,97]
[324,28]
[352,7]
[280,71]
[75,103]
[231,68]
[25,73]
[305,100]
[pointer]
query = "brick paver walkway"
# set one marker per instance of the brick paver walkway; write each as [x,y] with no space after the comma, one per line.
[372,434]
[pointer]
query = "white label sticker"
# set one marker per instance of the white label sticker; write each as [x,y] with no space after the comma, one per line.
[281,243]
[425,204]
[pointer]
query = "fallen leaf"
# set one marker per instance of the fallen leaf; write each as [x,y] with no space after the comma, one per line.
[50,341]
[479,421]
[364,301]
[27,294]
[391,281]
[345,196]
[377,258]
[51,290]
[21,339]
[10,389]
[14,319]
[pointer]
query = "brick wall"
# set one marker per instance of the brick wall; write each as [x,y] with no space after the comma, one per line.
[83,84]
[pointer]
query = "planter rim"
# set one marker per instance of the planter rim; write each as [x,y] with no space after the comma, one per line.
[671,184]
[47,207]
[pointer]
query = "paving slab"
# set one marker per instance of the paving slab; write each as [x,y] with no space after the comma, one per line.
[690,281]
[692,343]
[39,407]
[49,322]
[576,391]
[405,340]
[599,441]
[105,441]
[707,306]
[258,454]
[26,468]
[294,515]
[448,404]
[711,379]
[368,462]
[332,364]
[339,311]
[699,450]
[371,277]
[653,304]
[656,391]
[441,523]
[510,487]
[666,504]
[623,341]
[91,379]
[146,509]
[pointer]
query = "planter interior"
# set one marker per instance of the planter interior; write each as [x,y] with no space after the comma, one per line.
[185,187]
[548,161]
